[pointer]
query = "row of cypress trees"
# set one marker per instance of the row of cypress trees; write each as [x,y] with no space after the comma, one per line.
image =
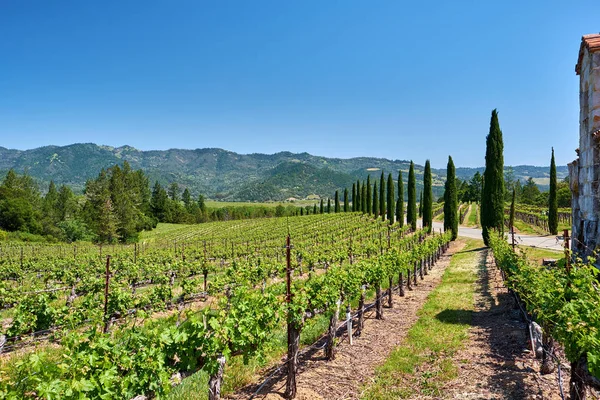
[379,200]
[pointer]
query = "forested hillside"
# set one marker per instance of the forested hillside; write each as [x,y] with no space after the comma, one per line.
[222,174]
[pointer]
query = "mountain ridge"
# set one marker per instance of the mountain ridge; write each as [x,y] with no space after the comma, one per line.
[223,174]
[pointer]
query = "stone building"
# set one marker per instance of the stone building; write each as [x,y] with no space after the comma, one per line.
[585,170]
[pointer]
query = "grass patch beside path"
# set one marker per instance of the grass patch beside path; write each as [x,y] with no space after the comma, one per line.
[473,216]
[424,362]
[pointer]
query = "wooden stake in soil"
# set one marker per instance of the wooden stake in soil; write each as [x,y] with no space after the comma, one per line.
[333,322]
[400,285]
[361,311]
[293,332]
[378,302]
[390,301]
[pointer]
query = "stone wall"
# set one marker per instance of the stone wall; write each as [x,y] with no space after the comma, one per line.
[585,171]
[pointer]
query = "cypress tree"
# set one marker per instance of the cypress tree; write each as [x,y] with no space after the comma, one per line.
[427,198]
[400,201]
[301,211]
[552,202]
[411,209]
[358,200]
[382,196]
[451,200]
[492,213]
[321,207]
[511,220]
[354,197]
[337,202]
[346,201]
[390,199]
[420,204]
[315,208]
[375,201]
[369,205]
[363,198]
[328,206]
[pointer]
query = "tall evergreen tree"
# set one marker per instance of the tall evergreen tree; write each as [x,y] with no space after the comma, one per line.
[363,198]
[552,201]
[346,201]
[187,198]
[382,196]
[420,204]
[427,198]
[354,197]
[201,204]
[511,218]
[375,201]
[451,200]
[174,191]
[369,205]
[337,202]
[400,201]
[390,199]
[411,208]
[492,204]
[328,206]
[358,199]
[321,207]
[315,208]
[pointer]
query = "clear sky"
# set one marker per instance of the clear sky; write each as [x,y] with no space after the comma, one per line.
[394,79]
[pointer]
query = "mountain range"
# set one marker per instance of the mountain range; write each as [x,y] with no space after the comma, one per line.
[224,175]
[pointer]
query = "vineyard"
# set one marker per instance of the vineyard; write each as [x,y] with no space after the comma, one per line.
[538,217]
[84,321]
[565,301]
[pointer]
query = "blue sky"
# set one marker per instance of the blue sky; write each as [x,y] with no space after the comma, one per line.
[394,79]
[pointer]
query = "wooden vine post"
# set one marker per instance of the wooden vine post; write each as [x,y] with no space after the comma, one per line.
[293,331]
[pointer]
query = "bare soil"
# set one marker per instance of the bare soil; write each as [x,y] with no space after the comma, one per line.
[354,366]
[497,362]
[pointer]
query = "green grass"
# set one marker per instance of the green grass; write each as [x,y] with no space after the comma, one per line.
[473,217]
[424,362]
[536,254]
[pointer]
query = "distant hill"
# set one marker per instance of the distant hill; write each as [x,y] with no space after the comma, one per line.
[222,174]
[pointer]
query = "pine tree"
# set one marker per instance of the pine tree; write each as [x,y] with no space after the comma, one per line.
[321,207]
[346,202]
[174,191]
[390,199]
[337,202]
[375,201]
[492,202]
[328,206]
[552,202]
[382,196]
[400,201]
[353,197]
[369,204]
[411,208]
[187,198]
[451,201]
[427,198]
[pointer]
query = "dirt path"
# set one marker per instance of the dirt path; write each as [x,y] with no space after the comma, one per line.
[496,362]
[355,365]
